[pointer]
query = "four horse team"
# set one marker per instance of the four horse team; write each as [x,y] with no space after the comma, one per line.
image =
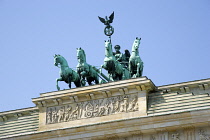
[119,66]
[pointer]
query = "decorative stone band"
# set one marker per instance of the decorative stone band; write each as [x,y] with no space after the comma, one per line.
[93,108]
[94,104]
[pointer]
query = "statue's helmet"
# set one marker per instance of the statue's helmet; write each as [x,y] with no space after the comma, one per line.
[117,46]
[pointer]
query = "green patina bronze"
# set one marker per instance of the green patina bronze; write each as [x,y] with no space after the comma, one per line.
[123,59]
[85,70]
[66,74]
[118,65]
[135,63]
[116,71]
[108,30]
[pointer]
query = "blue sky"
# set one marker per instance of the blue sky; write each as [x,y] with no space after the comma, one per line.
[175,43]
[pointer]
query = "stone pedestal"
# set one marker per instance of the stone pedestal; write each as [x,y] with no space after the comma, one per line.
[94,104]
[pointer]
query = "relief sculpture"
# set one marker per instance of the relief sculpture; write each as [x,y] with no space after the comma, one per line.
[54,115]
[203,136]
[134,104]
[67,113]
[49,115]
[89,109]
[75,113]
[124,105]
[60,114]
[93,108]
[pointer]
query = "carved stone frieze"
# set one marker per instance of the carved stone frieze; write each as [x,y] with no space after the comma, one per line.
[93,108]
[175,136]
[152,137]
[203,136]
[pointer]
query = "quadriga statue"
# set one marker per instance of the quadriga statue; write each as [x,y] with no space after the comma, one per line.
[115,70]
[66,74]
[135,63]
[85,71]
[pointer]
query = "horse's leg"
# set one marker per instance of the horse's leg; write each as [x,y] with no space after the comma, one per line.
[82,81]
[109,76]
[69,80]
[141,68]
[96,79]
[58,79]
[113,76]
[138,70]
[120,74]
[89,80]
[77,82]
[130,68]
[125,74]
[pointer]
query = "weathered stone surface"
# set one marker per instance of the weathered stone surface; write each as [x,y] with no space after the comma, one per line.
[133,109]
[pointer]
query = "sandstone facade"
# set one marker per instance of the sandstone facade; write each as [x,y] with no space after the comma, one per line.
[133,109]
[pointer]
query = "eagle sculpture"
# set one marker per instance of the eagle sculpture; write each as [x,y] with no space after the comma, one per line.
[107,21]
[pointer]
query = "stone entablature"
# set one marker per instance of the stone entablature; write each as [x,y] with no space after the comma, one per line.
[94,92]
[15,114]
[181,97]
[94,104]
[19,121]
[133,109]
[91,109]
[194,87]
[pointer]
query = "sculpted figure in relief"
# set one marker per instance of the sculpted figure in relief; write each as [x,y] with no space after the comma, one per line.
[99,108]
[75,113]
[175,136]
[67,113]
[49,115]
[94,108]
[124,105]
[106,108]
[153,137]
[203,136]
[54,115]
[111,106]
[60,114]
[117,105]
[102,108]
[101,111]
[133,106]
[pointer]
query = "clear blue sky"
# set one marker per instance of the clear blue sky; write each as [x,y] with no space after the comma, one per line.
[175,43]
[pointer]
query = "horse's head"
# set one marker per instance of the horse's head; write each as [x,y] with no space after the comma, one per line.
[136,43]
[108,48]
[81,56]
[58,59]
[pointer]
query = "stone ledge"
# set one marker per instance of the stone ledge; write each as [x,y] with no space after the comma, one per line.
[122,87]
[186,86]
[104,86]
[5,116]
